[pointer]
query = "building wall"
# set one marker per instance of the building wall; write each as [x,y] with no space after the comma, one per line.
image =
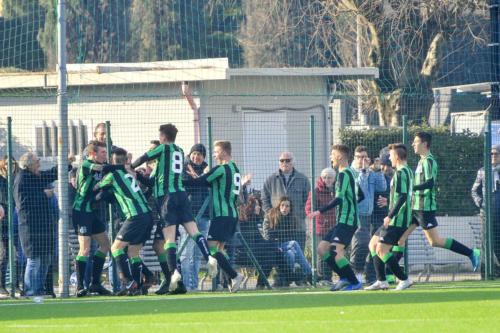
[273,108]
[135,114]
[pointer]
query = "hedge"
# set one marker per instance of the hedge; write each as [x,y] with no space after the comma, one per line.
[459,156]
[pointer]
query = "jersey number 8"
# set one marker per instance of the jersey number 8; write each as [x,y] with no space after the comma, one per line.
[177,162]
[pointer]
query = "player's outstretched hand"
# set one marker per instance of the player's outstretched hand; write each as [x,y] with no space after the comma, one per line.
[387,220]
[313,214]
[247,179]
[2,213]
[190,171]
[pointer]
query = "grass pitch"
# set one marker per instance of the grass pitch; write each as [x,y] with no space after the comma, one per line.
[452,307]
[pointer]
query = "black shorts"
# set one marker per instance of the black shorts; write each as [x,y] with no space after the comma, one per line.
[222,229]
[87,224]
[136,230]
[390,235]
[341,233]
[176,209]
[425,219]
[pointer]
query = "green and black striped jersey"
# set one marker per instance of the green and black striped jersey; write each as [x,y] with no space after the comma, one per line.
[225,181]
[168,171]
[401,187]
[127,192]
[345,189]
[88,175]
[427,170]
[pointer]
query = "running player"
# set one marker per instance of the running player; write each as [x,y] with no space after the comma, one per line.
[424,203]
[225,181]
[332,247]
[395,223]
[173,202]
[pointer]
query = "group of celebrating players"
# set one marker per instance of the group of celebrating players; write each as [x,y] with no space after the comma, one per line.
[97,180]
[412,203]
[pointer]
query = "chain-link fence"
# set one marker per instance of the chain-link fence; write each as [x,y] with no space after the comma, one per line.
[282,82]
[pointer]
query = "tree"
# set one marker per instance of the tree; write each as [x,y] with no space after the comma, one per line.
[408,40]
[96,31]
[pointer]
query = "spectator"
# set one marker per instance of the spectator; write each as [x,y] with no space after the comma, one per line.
[4,220]
[191,257]
[35,220]
[251,219]
[279,228]
[289,182]
[369,181]
[478,189]
[380,209]
[325,193]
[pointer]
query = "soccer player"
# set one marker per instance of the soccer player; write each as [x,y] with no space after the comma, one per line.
[424,203]
[225,181]
[86,220]
[173,202]
[332,247]
[136,229]
[395,223]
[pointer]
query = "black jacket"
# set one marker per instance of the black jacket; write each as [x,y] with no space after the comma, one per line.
[36,223]
[197,194]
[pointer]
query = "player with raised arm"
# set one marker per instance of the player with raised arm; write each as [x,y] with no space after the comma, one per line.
[173,201]
[136,229]
[395,223]
[225,181]
[347,196]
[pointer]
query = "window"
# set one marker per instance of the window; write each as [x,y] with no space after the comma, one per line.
[46,144]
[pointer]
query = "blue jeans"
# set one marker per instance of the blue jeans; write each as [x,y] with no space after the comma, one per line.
[35,274]
[191,256]
[293,254]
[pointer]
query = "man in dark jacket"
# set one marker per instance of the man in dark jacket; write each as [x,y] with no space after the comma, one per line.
[478,196]
[191,256]
[35,220]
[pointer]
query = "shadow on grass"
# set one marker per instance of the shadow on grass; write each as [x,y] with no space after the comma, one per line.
[242,302]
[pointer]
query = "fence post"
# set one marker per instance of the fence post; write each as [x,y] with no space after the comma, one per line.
[111,228]
[312,157]
[488,265]
[405,142]
[209,160]
[62,153]
[10,213]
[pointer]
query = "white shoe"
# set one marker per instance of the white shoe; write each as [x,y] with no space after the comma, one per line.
[236,282]
[378,285]
[405,284]
[212,267]
[174,280]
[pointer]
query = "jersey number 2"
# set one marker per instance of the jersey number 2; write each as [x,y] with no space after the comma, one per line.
[133,183]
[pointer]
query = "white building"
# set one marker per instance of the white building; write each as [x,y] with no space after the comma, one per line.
[261,111]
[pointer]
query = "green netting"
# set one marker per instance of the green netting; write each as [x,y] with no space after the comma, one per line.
[259,70]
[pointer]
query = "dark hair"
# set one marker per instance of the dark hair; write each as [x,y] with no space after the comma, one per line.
[247,211]
[400,149]
[342,148]
[274,214]
[93,146]
[120,156]
[360,149]
[425,137]
[155,142]
[170,131]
